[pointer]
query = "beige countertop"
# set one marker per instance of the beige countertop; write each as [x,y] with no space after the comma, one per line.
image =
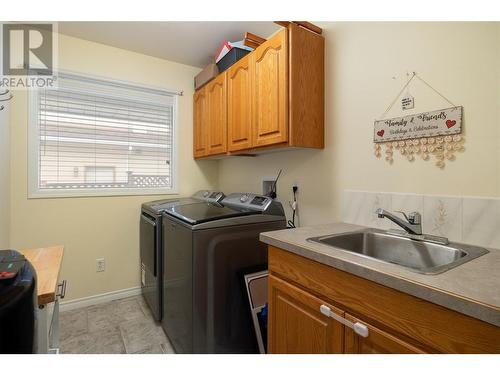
[472,288]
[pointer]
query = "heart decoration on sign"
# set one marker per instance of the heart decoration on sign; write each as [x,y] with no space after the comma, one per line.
[380,133]
[450,123]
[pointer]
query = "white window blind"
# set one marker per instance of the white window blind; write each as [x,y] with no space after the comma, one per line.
[95,135]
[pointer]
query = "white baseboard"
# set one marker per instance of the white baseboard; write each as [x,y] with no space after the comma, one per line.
[99,298]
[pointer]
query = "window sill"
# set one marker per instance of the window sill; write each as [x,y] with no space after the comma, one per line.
[75,193]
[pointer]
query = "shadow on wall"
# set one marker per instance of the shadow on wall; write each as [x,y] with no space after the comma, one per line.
[310,169]
[209,170]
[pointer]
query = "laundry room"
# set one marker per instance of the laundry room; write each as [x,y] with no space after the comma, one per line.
[236,186]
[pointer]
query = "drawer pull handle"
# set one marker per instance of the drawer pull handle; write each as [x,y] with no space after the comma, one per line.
[358,328]
[148,220]
[62,292]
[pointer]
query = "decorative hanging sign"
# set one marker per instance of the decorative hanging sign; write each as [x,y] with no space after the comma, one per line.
[421,125]
[426,134]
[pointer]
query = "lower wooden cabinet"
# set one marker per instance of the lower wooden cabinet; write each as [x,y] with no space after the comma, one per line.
[297,326]
[388,321]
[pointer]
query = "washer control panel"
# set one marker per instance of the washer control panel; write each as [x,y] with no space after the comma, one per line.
[247,200]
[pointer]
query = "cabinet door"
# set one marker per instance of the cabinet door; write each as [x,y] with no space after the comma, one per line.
[296,324]
[217,124]
[239,105]
[270,91]
[200,123]
[377,342]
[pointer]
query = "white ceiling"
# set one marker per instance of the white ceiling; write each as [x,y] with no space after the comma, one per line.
[191,43]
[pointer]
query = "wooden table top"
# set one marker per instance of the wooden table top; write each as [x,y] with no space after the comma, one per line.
[47,263]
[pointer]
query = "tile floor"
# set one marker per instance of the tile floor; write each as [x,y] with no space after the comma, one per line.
[117,327]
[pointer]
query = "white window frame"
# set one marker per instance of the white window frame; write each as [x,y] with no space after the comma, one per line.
[34,149]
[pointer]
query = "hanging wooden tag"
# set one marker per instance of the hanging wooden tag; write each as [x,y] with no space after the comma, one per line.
[407,102]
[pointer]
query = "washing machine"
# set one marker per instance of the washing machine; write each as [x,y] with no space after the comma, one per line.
[207,246]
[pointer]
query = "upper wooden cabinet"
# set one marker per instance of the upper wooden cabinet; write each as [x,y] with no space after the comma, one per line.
[239,105]
[217,116]
[270,91]
[274,97]
[306,88]
[200,135]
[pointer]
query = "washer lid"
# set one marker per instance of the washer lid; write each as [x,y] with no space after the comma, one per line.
[202,212]
[159,206]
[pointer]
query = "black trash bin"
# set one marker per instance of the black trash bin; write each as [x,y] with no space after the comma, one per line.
[17,303]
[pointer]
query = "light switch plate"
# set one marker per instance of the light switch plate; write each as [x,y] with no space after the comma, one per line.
[100,265]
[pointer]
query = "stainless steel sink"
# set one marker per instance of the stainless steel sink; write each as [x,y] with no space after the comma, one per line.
[417,255]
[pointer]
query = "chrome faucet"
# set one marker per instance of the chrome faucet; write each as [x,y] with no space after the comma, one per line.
[412,225]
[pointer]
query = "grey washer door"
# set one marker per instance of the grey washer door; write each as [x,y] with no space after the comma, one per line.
[150,266]
[221,313]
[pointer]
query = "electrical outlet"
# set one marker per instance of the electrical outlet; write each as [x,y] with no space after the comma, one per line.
[267,186]
[100,265]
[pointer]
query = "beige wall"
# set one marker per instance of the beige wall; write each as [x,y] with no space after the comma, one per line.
[4,177]
[460,59]
[99,227]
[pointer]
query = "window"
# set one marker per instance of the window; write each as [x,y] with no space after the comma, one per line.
[100,174]
[100,137]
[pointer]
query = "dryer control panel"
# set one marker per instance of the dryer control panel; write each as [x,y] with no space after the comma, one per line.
[209,196]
